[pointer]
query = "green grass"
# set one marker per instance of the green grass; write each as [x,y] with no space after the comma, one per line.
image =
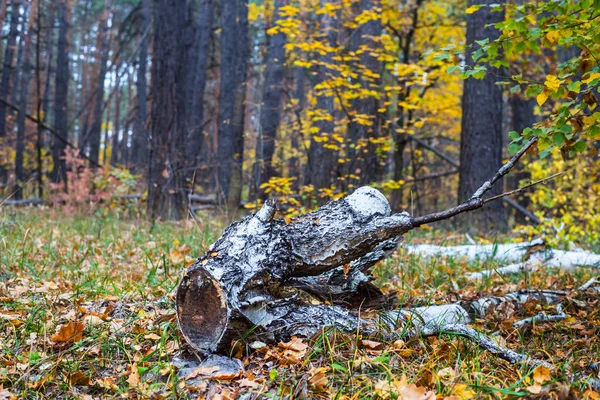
[117,276]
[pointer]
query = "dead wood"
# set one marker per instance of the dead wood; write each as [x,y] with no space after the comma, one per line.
[267,279]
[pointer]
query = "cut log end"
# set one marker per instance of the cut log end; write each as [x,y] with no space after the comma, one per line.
[202,311]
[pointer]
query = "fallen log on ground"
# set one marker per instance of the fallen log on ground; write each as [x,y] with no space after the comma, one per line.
[265,279]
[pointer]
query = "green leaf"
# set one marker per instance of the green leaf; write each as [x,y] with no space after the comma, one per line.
[273,374]
[559,139]
[513,148]
[452,68]
[580,146]
[514,135]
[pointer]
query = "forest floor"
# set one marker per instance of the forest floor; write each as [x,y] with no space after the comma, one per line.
[86,311]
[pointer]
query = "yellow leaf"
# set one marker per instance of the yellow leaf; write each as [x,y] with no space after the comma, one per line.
[541,374]
[541,98]
[473,8]
[553,36]
[591,77]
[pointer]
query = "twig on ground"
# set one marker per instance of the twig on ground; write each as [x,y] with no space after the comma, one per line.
[589,284]
[542,317]
[484,342]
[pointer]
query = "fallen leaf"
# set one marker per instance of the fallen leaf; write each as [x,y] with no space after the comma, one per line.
[318,379]
[152,336]
[534,389]
[413,392]
[371,344]
[79,379]
[463,392]
[294,344]
[541,374]
[71,332]
[92,320]
[134,377]
[248,383]
[204,371]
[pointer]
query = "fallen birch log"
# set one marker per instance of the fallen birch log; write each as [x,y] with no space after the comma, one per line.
[260,279]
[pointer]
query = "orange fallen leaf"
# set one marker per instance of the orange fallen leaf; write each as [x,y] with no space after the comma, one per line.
[541,374]
[71,332]
[204,371]
[294,344]
[318,379]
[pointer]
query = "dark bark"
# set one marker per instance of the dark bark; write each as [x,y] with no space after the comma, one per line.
[201,52]
[481,133]
[270,113]
[166,196]
[14,97]
[95,132]
[320,158]
[235,50]
[139,153]
[114,154]
[59,171]
[365,162]
[26,69]
[7,74]
[296,135]
[49,69]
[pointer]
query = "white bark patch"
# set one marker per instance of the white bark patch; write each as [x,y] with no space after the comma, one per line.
[367,201]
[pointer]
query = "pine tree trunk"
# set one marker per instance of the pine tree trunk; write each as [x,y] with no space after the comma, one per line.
[235,50]
[139,152]
[7,73]
[102,58]
[166,197]
[59,172]
[365,163]
[270,114]
[320,158]
[26,69]
[202,44]
[481,133]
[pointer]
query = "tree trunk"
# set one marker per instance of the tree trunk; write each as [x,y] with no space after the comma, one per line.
[365,162]
[235,50]
[7,73]
[23,104]
[320,157]
[481,133]
[270,114]
[195,137]
[102,58]
[114,154]
[59,172]
[139,153]
[14,97]
[49,69]
[166,197]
